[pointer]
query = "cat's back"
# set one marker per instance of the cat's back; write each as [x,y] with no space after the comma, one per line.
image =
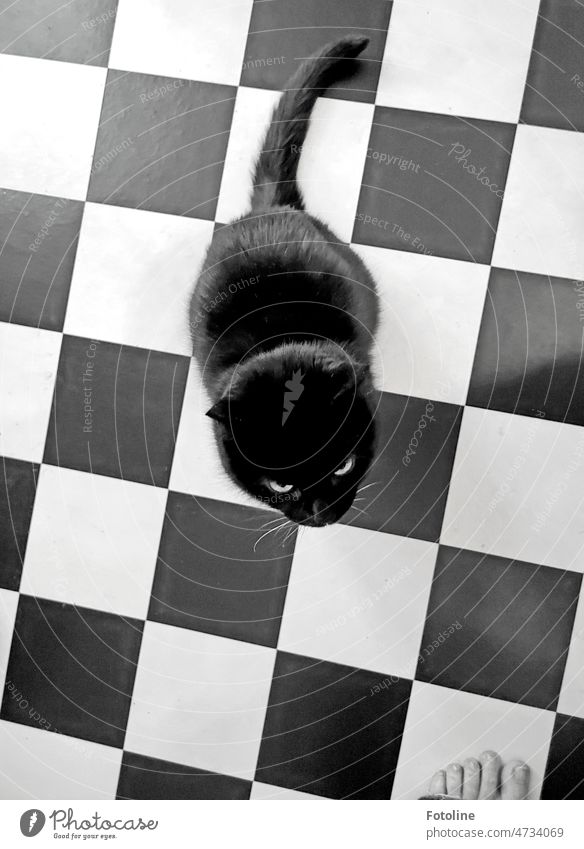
[278,256]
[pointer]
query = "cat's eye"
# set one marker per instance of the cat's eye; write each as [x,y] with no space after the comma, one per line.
[281,487]
[346,467]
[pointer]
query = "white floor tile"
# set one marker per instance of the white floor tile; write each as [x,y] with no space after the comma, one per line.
[332,162]
[267,792]
[196,468]
[358,597]
[50,112]
[516,489]
[446,725]
[461,57]
[190,39]
[39,764]
[93,541]
[540,228]
[28,367]
[200,700]
[251,116]
[431,312]
[134,273]
[572,693]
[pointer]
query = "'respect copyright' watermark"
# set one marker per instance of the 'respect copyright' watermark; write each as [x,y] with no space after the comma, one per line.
[397,230]
[278,498]
[222,295]
[577,80]
[50,220]
[162,90]
[37,717]
[87,381]
[263,62]
[438,641]
[365,603]
[424,421]
[425,652]
[112,154]
[461,154]
[103,18]
[393,159]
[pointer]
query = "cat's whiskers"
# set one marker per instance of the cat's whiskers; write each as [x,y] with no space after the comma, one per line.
[285,525]
[271,522]
[358,509]
[289,534]
[363,488]
[289,529]
[267,533]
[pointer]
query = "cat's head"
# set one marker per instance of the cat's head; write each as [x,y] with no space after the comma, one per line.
[295,429]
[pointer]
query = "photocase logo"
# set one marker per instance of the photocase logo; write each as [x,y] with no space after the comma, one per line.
[32,822]
[294,389]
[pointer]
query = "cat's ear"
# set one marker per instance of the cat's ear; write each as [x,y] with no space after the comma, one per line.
[219,411]
[224,411]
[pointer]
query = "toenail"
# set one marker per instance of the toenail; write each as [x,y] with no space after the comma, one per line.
[455,767]
[473,763]
[523,768]
[489,755]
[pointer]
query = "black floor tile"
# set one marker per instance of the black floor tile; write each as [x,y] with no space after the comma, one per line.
[564,774]
[39,236]
[503,627]
[554,93]
[208,576]
[71,670]
[116,410]
[161,144]
[411,472]
[447,201]
[17,492]
[51,29]
[328,732]
[530,348]
[142,777]
[283,32]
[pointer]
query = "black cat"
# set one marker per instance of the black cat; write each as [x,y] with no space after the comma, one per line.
[283,318]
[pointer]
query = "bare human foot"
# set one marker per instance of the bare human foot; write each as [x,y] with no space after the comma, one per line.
[485,778]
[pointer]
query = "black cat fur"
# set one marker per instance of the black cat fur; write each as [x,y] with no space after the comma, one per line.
[283,318]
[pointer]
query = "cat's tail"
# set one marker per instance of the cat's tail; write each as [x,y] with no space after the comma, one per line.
[275,173]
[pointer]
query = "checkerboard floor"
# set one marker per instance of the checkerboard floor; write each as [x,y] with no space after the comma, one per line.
[150,646]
